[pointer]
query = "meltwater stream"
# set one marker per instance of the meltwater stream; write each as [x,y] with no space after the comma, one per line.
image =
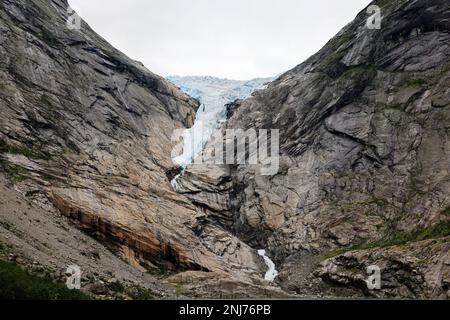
[213,94]
[272,273]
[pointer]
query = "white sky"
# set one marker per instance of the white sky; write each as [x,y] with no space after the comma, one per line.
[236,39]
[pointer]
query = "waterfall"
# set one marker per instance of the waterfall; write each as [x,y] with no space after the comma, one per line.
[174,182]
[213,94]
[272,273]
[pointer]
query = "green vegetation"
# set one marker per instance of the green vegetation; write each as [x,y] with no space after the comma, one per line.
[416,82]
[45,100]
[135,293]
[48,37]
[6,89]
[339,41]
[357,72]
[161,273]
[333,60]
[446,212]
[141,294]
[47,177]
[393,106]
[179,289]
[361,101]
[411,81]
[439,230]
[385,3]
[18,284]
[17,173]
[11,228]
[27,152]
[117,287]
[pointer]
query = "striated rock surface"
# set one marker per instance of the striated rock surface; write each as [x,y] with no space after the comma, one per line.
[200,285]
[365,148]
[364,165]
[364,128]
[90,130]
[85,132]
[418,270]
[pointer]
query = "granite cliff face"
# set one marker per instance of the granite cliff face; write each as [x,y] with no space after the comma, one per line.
[364,175]
[85,131]
[364,134]
[365,151]
[89,128]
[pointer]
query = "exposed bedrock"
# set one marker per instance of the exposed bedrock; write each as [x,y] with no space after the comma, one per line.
[365,148]
[90,128]
[364,163]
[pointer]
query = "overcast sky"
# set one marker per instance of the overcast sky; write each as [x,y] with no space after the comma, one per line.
[236,39]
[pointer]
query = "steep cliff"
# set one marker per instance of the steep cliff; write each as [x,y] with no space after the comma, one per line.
[364,163]
[85,131]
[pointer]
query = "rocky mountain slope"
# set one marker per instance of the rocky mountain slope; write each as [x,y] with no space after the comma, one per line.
[364,163]
[85,157]
[85,133]
[214,95]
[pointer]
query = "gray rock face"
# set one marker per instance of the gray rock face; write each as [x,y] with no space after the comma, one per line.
[418,270]
[365,151]
[365,145]
[87,131]
[90,129]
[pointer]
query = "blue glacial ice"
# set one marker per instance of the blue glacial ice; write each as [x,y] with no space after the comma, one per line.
[213,94]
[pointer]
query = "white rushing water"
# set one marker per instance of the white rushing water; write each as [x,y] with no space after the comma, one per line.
[213,94]
[272,273]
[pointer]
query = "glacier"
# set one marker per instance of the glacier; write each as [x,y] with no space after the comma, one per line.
[213,94]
